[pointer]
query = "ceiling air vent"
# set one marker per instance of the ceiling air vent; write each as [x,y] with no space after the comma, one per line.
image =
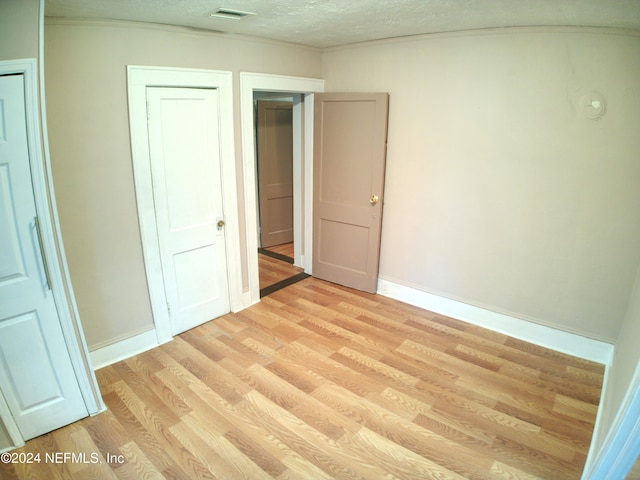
[229,14]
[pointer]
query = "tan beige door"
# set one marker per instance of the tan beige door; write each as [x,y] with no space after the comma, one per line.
[350,142]
[275,172]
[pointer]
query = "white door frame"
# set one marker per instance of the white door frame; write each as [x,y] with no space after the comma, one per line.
[138,79]
[52,246]
[302,166]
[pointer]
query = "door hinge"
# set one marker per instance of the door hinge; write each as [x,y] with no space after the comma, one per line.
[169,308]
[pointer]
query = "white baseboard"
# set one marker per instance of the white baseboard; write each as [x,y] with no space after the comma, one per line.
[558,340]
[124,349]
[247,301]
[561,341]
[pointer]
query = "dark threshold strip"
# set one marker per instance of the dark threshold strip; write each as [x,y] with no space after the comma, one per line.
[282,283]
[277,256]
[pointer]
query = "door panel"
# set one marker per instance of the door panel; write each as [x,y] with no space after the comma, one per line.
[12,266]
[13,331]
[187,189]
[196,285]
[350,138]
[275,172]
[349,255]
[36,375]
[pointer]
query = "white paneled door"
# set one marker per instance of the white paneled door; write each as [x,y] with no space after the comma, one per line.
[36,374]
[184,147]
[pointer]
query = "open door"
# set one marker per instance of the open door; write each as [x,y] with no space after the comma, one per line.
[350,143]
[275,171]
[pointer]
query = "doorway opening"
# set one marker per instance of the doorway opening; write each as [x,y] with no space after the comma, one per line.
[301,90]
[273,114]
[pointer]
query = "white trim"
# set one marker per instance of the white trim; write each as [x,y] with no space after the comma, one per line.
[249,83]
[565,342]
[138,79]
[297,113]
[307,166]
[124,349]
[621,446]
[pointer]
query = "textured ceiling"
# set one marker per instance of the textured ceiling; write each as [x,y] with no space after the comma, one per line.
[326,23]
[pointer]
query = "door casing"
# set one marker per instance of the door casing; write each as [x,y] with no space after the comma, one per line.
[302,166]
[52,246]
[138,79]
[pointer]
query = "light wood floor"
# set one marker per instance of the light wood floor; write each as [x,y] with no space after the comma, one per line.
[317,382]
[285,249]
[272,270]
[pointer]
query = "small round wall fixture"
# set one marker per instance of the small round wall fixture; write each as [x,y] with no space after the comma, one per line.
[593,105]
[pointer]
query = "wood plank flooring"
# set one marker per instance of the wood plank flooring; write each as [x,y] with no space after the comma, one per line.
[271,271]
[285,249]
[317,382]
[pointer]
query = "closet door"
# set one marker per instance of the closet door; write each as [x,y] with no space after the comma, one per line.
[184,146]
[37,378]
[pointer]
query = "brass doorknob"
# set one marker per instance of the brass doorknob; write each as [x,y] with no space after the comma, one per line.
[374,200]
[220,224]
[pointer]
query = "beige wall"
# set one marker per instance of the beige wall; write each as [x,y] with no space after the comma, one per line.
[90,149]
[19,23]
[500,193]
